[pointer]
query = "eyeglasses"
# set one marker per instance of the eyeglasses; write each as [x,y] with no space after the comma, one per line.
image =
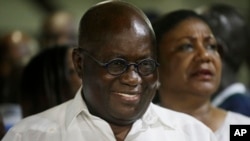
[118,66]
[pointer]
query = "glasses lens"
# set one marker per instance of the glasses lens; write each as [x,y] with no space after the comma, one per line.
[116,66]
[146,67]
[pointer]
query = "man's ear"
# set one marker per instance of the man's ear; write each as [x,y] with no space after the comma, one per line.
[77,58]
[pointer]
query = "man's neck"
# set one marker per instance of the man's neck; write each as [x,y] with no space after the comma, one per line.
[120,132]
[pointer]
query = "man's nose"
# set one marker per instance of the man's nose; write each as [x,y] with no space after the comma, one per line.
[131,76]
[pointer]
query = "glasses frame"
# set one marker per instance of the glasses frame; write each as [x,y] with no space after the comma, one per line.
[105,65]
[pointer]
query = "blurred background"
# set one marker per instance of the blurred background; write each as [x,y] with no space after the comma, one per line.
[28,15]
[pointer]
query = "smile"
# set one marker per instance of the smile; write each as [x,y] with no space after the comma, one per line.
[129,97]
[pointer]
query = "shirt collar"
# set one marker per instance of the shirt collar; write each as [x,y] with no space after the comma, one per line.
[156,114]
[153,115]
[75,107]
[235,88]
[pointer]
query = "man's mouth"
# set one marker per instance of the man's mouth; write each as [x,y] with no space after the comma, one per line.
[128,97]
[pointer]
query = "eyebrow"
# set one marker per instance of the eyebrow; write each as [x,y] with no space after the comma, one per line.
[210,37]
[207,38]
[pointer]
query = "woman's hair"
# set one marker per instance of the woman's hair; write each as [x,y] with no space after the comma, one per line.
[231,30]
[44,81]
[168,21]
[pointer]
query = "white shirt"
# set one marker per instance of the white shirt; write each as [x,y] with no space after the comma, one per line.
[71,121]
[223,133]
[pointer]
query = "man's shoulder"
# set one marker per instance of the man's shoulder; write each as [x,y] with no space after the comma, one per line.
[177,118]
[48,120]
[184,123]
[171,114]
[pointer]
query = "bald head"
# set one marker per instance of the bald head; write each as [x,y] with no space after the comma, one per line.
[107,19]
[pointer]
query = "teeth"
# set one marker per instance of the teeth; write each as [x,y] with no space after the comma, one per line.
[127,95]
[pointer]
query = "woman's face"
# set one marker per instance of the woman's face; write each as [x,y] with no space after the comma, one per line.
[189,60]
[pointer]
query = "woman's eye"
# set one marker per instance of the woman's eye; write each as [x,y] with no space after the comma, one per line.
[186,47]
[212,47]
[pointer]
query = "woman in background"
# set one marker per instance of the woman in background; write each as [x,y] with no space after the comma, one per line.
[48,80]
[190,70]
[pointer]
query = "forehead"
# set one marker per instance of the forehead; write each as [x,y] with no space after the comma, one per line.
[127,44]
[191,27]
[132,37]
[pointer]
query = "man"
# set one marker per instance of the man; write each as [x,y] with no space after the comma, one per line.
[116,62]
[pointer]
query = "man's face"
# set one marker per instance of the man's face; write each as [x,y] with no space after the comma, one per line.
[124,98]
